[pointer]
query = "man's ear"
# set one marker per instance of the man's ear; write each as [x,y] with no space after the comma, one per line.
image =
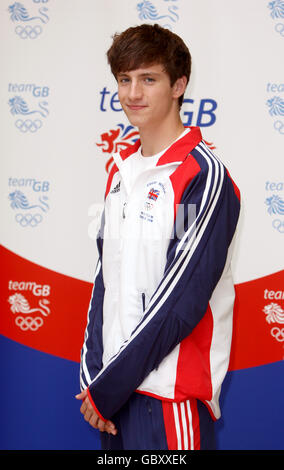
[179,87]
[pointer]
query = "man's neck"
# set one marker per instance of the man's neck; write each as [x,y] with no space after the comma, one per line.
[154,140]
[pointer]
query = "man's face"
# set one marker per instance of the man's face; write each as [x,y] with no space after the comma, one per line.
[146,95]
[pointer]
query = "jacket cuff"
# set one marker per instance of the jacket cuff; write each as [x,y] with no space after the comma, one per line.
[94,406]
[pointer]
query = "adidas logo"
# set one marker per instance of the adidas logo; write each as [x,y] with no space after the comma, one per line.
[116,189]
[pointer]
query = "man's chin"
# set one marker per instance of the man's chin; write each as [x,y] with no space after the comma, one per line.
[135,121]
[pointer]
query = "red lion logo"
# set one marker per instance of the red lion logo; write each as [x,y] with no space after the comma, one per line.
[121,138]
[116,140]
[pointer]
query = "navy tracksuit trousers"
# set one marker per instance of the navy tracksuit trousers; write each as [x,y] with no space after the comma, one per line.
[146,423]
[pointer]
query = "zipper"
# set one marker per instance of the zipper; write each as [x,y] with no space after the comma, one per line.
[123,210]
[143,301]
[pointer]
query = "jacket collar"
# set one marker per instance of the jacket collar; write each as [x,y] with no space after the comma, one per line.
[176,153]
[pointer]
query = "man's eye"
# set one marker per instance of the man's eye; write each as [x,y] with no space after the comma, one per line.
[123,80]
[149,80]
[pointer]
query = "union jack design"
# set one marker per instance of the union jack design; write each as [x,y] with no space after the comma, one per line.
[153,194]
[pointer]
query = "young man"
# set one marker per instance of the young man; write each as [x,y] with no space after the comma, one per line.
[158,336]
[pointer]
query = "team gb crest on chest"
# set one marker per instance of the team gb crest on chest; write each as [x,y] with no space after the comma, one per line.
[154,191]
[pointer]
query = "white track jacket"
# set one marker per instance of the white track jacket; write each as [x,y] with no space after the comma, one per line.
[160,316]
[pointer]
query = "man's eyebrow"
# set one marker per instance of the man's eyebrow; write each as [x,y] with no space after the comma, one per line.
[143,74]
[149,73]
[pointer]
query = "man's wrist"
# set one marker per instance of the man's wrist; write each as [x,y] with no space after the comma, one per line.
[94,406]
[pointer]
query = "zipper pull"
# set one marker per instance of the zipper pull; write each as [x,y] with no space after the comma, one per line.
[143,301]
[123,210]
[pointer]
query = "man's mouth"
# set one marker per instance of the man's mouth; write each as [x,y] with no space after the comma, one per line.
[135,107]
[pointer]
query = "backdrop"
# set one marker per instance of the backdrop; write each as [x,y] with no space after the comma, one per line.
[61,120]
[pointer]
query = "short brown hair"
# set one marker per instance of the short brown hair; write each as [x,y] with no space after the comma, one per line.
[146,45]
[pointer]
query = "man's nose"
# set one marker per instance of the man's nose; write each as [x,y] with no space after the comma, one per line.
[135,91]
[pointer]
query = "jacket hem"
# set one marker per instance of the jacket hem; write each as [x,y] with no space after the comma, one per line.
[172,400]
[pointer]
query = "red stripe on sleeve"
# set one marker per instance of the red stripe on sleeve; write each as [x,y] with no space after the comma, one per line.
[113,170]
[181,178]
[236,189]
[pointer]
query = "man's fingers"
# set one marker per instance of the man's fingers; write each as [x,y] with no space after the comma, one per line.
[88,414]
[83,407]
[94,421]
[82,395]
[101,425]
[91,417]
[86,405]
[110,428]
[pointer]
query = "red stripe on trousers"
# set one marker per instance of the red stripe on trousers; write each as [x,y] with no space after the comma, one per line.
[170,426]
[195,423]
[180,425]
[169,422]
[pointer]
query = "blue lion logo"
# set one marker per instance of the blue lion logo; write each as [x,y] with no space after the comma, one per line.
[19,201]
[277,9]
[19,13]
[147,11]
[19,106]
[275,205]
[276,105]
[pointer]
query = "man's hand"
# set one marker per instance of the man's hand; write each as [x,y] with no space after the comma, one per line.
[91,416]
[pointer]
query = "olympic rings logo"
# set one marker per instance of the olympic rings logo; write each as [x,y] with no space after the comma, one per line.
[278,225]
[279,126]
[29,323]
[278,334]
[28,125]
[28,31]
[26,220]
[279,27]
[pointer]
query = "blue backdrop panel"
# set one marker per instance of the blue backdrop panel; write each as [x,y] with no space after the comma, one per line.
[252,409]
[38,409]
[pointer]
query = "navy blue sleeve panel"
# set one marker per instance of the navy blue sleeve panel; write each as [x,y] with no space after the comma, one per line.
[195,264]
[92,350]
